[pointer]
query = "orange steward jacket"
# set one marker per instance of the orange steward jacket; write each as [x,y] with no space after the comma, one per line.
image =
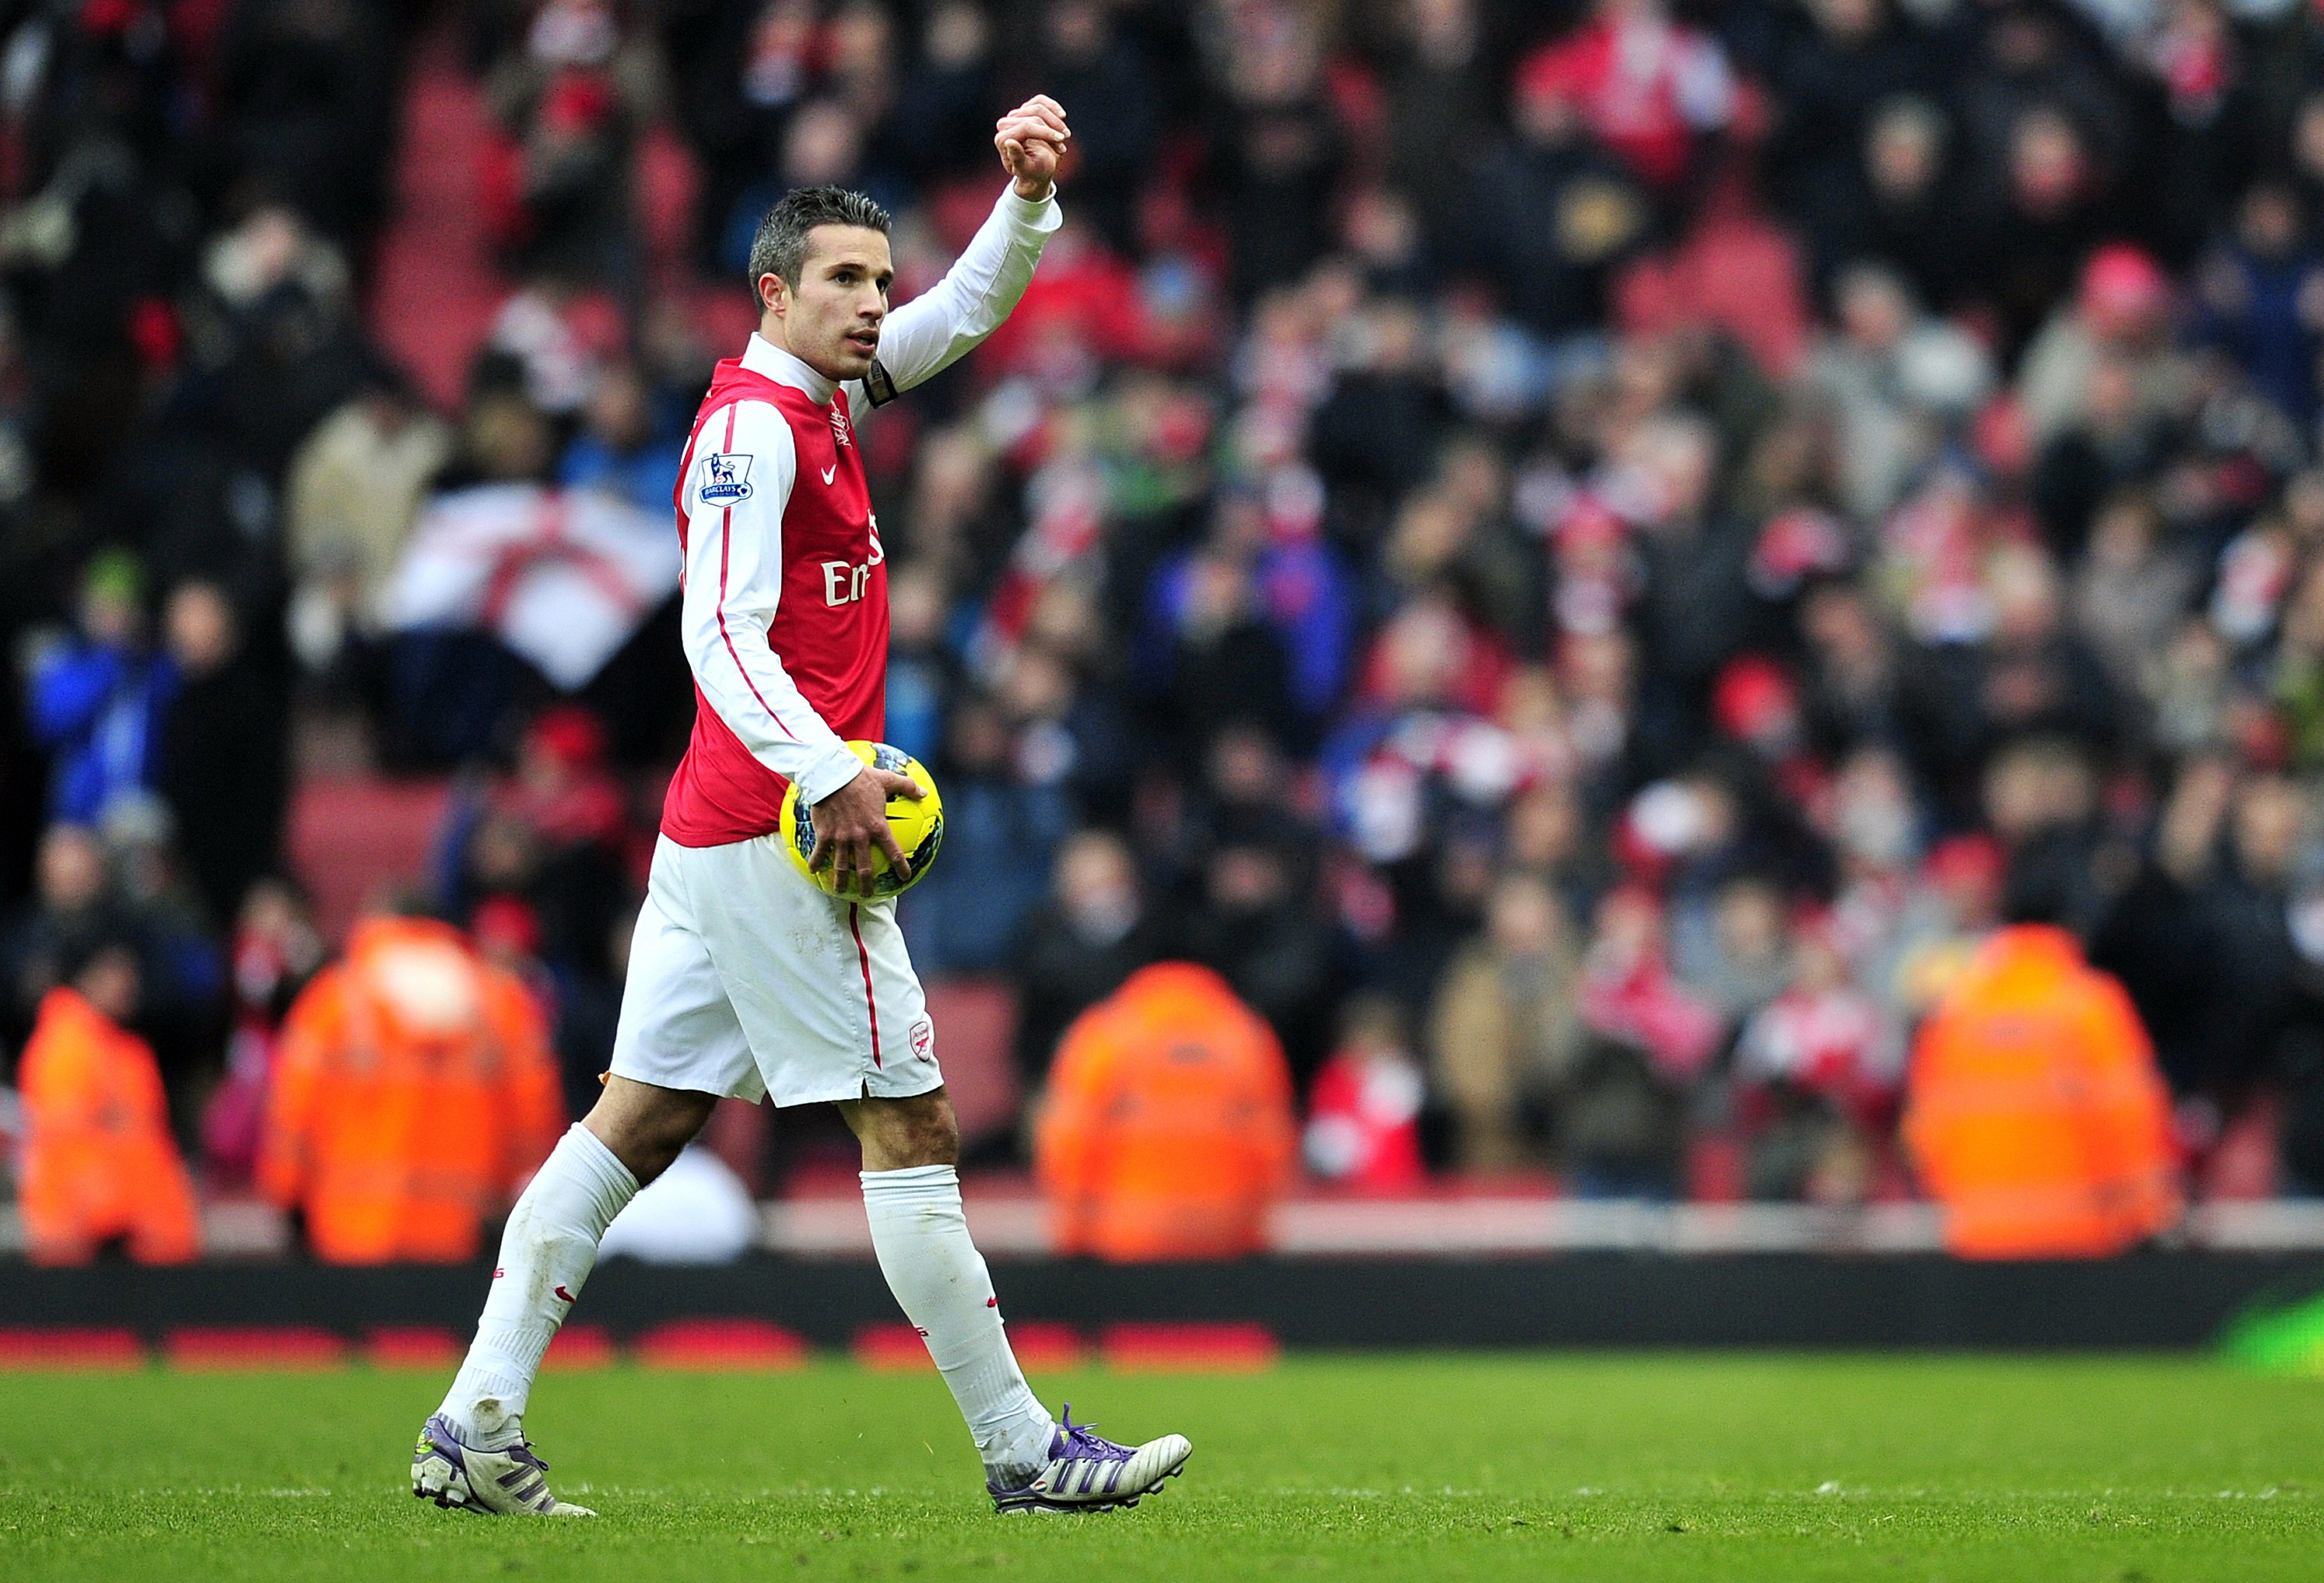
[1167,1132]
[99,1162]
[2034,1110]
[413,1092]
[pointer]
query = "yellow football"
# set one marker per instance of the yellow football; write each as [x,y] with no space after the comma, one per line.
[919,826]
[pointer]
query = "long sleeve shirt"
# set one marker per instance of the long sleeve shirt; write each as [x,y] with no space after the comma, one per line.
[785,610]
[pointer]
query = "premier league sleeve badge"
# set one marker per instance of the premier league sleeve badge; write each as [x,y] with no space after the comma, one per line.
[725,478]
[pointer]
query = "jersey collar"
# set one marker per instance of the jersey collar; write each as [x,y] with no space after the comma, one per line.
[764,358]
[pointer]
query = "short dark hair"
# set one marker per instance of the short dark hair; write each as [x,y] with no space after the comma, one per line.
[779,248]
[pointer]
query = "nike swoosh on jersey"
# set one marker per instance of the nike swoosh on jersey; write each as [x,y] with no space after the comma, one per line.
[828,472]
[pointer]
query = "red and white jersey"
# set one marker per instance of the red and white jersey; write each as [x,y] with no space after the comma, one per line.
[1836,1041]
[785,609]
[1646,85]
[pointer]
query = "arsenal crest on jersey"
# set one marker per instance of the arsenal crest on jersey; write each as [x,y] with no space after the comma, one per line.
[839,430]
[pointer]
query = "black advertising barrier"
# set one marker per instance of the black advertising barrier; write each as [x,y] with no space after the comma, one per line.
[2159,1300]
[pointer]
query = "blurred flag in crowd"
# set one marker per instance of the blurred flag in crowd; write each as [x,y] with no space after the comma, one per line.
[563,577]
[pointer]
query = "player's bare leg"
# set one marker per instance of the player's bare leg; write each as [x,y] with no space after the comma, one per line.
[473,1453]
[911,1195]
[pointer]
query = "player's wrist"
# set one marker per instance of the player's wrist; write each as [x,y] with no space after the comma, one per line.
[1034,194]
[826,780]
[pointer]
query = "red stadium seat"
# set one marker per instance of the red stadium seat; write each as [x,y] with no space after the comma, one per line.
[1046,1348]
[25,1348]
[892,1349]
[223,1347]
[976,1033]
[581,1346]
[1190,1349]
[412,1347]
[350,839]
[723,1344]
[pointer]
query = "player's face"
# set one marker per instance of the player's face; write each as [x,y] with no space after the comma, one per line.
[831,321]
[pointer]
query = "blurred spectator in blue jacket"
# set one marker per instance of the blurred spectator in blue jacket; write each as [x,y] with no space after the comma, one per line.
[999,834]
[97,699]
[619,449]
[2263,295]
[920,680]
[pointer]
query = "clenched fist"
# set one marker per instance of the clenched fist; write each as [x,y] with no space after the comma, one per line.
[1032,139]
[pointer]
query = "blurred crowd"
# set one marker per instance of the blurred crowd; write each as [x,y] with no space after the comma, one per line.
[1573,554]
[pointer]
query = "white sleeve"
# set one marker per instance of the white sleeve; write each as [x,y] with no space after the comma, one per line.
[745,462]
[936,328]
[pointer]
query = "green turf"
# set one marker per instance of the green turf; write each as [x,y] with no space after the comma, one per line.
[2108,1470]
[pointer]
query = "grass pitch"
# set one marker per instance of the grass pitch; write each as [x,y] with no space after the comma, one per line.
[2108,1470]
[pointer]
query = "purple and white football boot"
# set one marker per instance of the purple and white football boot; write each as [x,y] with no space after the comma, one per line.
[509,1482]
[1088,1473]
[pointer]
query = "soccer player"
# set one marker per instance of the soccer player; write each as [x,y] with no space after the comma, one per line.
[744,978]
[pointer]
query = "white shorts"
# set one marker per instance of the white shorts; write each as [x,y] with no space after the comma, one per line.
[747,980]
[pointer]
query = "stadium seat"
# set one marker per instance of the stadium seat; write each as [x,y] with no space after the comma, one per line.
[430,1347]
[581,1346]
[714,1344]
[437,286]
[1043,1347]
[1190,1349]
[976,1033]
[234,1347]
[24,1348]
[351,839]
[890,1350]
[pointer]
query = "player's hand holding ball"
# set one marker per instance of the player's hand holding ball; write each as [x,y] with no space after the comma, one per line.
[873,837]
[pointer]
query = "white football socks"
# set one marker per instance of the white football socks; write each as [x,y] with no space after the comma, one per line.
[548,1250]
[939,1279]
